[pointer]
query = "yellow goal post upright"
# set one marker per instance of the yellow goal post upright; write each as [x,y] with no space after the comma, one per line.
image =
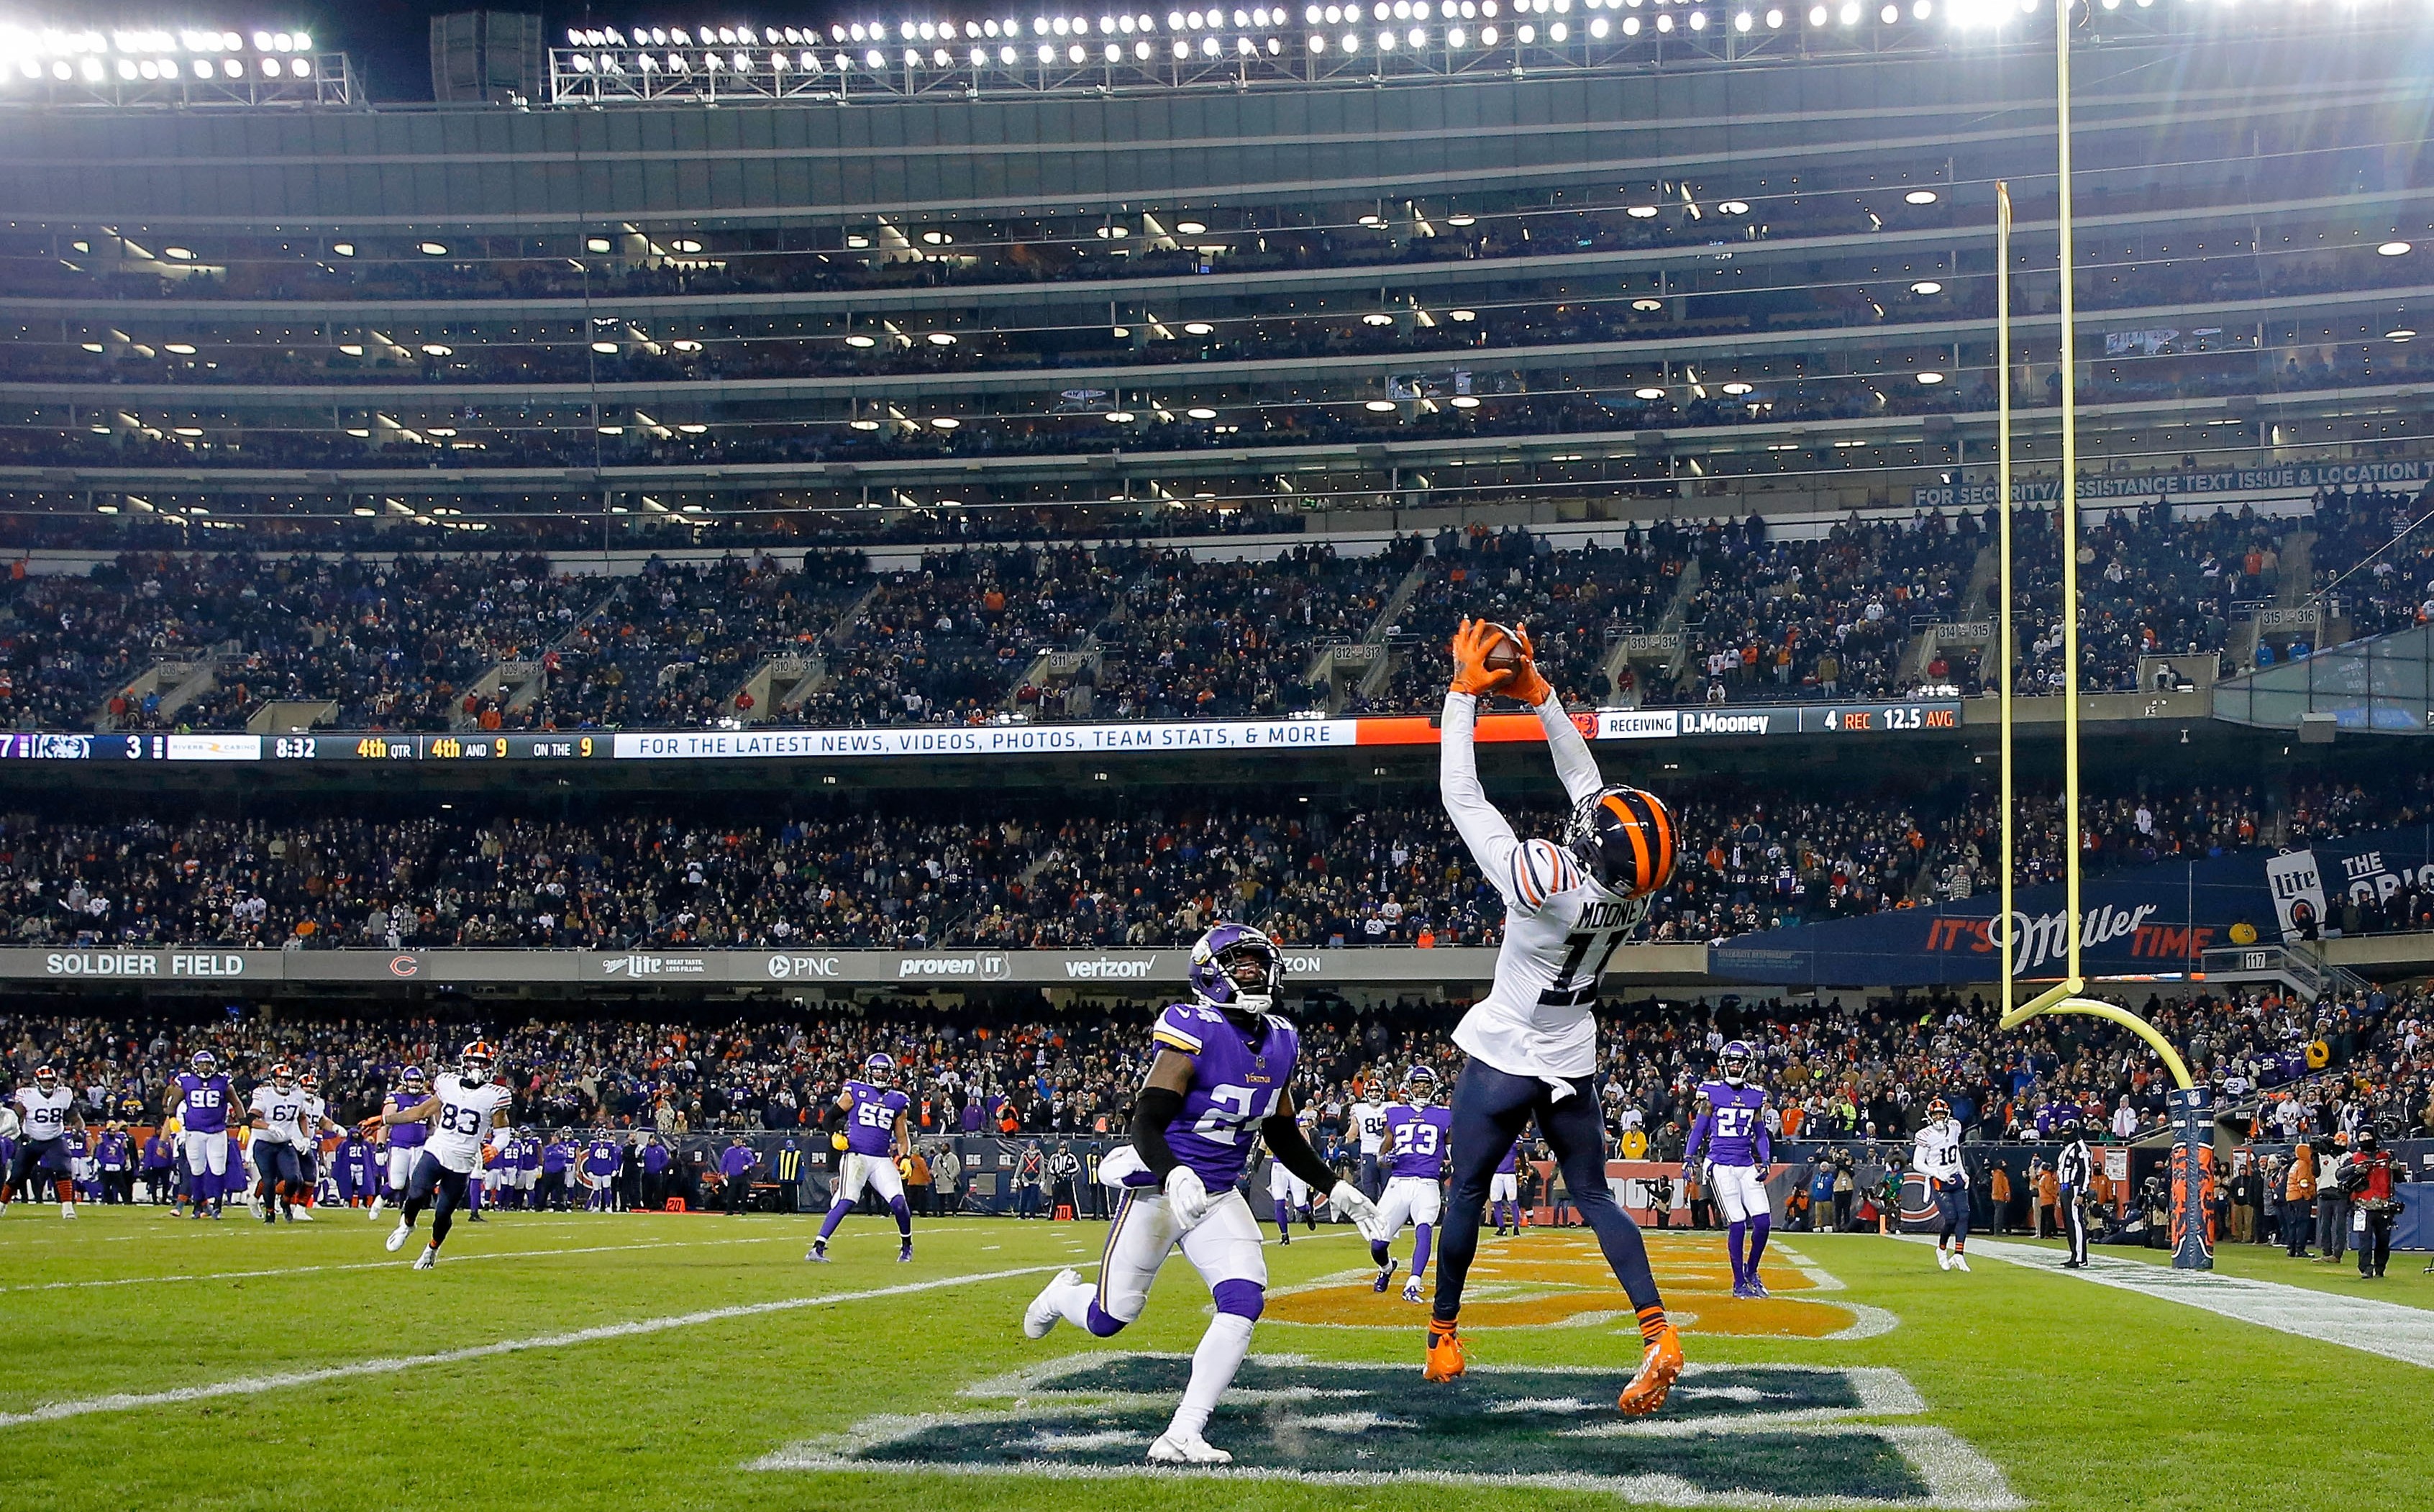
[2192,1158]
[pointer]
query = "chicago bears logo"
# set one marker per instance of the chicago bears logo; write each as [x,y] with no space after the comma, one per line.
[1733,1434]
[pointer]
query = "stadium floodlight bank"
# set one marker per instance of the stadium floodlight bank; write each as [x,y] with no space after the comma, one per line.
[164,65]
[1376,42]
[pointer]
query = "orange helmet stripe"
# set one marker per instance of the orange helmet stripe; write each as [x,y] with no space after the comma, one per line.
[1642,862]
[1666,849]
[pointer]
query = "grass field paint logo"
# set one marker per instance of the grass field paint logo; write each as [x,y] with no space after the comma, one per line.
[1733,1436]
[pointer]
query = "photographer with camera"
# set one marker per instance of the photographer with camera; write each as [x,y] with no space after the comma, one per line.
[2366,1179]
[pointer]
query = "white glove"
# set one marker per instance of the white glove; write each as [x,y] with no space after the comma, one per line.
[1353,1203]
[1186,1198]
[1118,1163]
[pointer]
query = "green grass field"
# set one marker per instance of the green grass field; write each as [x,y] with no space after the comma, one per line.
[2068,1393]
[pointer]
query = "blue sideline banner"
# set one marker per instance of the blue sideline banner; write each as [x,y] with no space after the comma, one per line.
[2148,921]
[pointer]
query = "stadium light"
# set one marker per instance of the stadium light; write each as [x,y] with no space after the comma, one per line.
[1927,285]
[2393,250]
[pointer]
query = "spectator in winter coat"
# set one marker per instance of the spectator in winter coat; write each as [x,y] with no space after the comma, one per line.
[2299,1201]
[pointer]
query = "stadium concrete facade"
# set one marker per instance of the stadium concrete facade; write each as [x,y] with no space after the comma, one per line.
[1573,283]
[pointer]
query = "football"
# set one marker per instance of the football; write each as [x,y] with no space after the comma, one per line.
[1506,653]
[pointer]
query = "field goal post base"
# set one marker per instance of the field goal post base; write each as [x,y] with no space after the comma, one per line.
[2191,1109]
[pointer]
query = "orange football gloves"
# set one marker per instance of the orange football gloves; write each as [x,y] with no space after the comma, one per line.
[1471,674]
[1527,685]
[1471,645]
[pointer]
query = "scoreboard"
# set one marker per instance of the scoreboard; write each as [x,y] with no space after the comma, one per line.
[1893,721]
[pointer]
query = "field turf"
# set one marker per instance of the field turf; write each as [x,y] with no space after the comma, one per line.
[837,1386]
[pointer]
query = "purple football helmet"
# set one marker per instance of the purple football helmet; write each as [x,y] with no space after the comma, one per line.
[1735,1063]
[1238,968]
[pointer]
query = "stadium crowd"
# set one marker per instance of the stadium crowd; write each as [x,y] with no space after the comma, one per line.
[899,874]
[1834,1073]
[429,643]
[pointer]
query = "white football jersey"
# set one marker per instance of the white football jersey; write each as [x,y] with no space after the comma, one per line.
[1540,1018]
[45,1113]
[1935,1151]
[1369,1122]
[466,1114]
[282,1111]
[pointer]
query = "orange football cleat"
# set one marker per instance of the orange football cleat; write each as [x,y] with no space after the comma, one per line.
[1445,1352]
[1658,1369]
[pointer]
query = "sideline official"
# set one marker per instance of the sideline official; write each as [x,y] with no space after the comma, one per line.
[2074,1174]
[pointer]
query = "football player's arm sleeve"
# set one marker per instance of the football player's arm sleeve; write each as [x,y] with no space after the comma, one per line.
[1565,743]
[1699,1128]
[1160,1103]
[1291,1149]
[1762,1143]
[1483,829]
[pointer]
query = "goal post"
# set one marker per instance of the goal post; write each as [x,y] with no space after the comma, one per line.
[2190,1105]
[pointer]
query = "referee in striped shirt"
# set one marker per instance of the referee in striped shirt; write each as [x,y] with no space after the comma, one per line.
[2074,1172]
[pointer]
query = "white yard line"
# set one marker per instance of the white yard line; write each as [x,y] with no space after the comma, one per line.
[385,1264]
[2388,1329]
[256,1385]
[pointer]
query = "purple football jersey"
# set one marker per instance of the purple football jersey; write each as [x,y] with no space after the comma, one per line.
[406,1136]
[1734,1126]
[202,1103]
[600,1159]
[1416,1139]
[870,1123]
[1511,1164]
[1237,1080]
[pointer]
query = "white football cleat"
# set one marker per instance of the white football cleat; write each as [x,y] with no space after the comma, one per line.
[67,1210]
[1942,1258]
[1043,1314]
[1960,1260]
[301,1214]
[429,1257]
[397,1237]
[374,1213]
[1174,1447]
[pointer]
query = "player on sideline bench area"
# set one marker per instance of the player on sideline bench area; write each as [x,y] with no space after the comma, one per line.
[1533,1039]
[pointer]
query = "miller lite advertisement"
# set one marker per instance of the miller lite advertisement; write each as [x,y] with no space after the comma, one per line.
[2298,893]
[2150,921]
